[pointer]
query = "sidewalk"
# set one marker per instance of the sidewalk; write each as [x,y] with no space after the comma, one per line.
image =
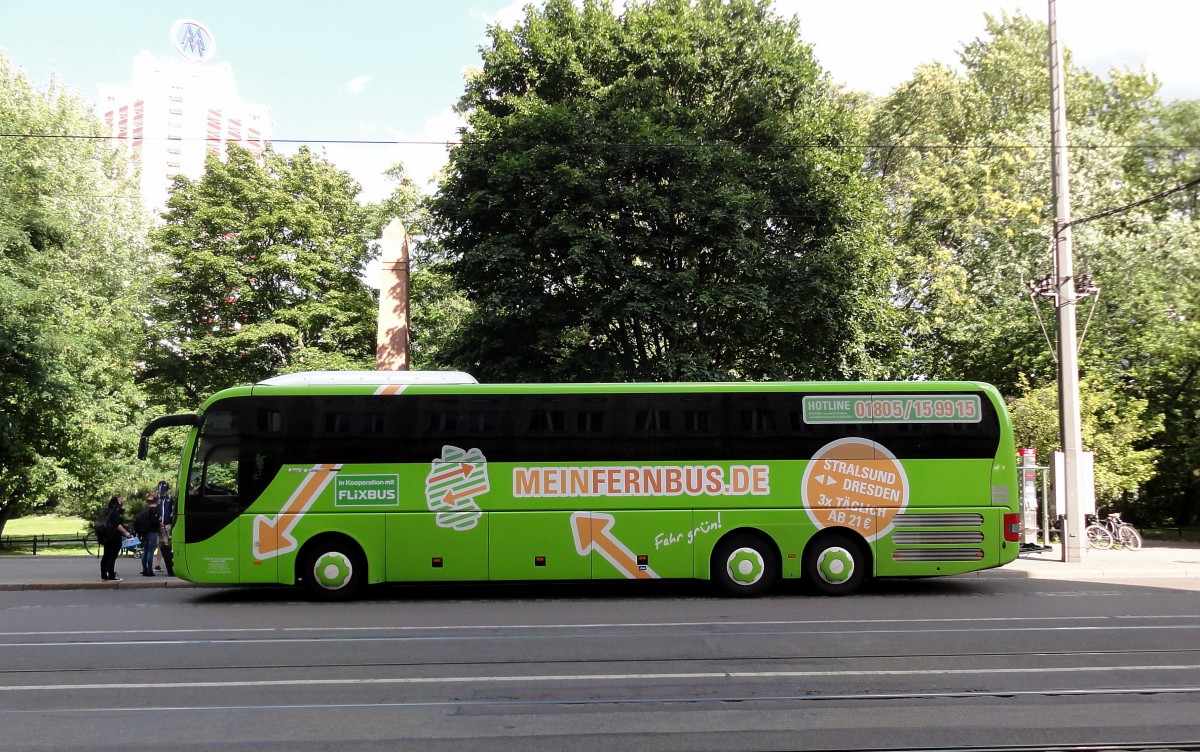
[1159,559]
[76,573]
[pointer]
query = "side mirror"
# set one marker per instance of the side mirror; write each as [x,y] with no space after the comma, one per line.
[167,421]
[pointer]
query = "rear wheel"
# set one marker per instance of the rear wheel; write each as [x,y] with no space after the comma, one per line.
[834,564]
[1129,537]
[333,569]
[745,565]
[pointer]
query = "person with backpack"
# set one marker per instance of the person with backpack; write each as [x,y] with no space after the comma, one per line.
[166,512]
[147,526]
[110,530]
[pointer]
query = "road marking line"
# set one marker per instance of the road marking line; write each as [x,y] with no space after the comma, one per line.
[708,675]
[643,634]
[601,625]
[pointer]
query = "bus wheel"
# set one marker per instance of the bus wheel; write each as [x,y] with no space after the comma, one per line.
[834,564]
[744,565]
[333,569]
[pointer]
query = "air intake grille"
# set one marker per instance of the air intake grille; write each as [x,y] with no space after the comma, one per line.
[943,554]
[938,520]
[928,537]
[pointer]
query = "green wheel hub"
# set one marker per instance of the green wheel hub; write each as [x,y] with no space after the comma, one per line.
[835,565]
[333,570]
[746,566]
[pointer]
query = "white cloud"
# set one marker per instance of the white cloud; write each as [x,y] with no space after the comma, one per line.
[508,16]
[423,154]
[874,45]
[357,84]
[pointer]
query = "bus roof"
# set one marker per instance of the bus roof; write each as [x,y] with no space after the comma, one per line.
[355,378]
[455,382]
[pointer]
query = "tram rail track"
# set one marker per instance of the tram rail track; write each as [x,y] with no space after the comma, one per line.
[775,658]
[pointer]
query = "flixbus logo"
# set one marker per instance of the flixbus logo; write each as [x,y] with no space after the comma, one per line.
[366,491]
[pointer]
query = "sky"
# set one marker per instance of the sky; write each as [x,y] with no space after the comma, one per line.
[391,70]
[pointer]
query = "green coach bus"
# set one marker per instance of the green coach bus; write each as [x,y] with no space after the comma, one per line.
[341,479]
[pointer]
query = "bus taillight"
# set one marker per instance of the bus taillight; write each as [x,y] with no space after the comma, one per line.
[1012,527]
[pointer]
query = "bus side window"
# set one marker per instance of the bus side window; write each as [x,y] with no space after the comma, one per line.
[220,473]
[943,440]
[260,469]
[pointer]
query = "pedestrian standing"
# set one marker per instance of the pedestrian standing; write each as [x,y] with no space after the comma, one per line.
[166,513]
[147,525]
[115,532]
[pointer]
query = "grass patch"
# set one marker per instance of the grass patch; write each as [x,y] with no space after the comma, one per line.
[45,524]
[1172,534]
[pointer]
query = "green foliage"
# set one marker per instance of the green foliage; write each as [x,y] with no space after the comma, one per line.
[406,203]
[438,309]
[963,163]
[263,275]
[963,166]
[72,261]
[1116,429]
[672,191]
[661,195]
[1149,333]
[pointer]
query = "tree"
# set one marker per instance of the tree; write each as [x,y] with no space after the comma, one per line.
[263,276]
[962,160]
[72,250]
[1116,429]
[406,203]
[1146,332]
[965,169]
[671,193]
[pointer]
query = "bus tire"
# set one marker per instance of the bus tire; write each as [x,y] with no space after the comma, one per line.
[834,564]
[745,565]
[333,568]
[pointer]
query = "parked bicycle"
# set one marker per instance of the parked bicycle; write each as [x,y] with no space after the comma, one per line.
[131,546]
[1111,531]
[91,545]
[1124,534]
[1097,535]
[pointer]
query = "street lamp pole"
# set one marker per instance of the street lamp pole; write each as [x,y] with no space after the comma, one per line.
[1071,478]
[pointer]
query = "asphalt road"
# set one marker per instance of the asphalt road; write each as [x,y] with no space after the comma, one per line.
[941,663]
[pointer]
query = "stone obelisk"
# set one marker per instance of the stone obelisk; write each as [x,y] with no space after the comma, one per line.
[391,340]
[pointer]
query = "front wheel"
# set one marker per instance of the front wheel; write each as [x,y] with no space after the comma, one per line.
[333,570]
[834,565]
[744,565]
[1098,537]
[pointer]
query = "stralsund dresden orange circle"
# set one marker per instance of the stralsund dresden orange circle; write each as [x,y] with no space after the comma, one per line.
[857,484]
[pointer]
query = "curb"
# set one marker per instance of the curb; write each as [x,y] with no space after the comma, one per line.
[1160,573]
[1151,574]
[123,585]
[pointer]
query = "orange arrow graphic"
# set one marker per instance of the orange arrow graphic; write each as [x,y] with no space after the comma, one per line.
[273,535]
[453,497]
[591,531]
[464,469]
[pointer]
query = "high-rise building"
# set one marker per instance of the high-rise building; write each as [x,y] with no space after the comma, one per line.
[178,110]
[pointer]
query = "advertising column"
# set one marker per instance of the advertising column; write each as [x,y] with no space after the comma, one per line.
[1029,501]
